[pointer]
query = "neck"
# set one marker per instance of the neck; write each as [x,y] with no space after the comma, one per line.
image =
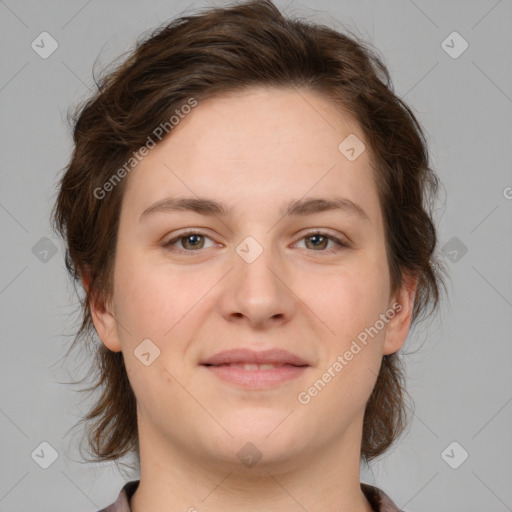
[175,479]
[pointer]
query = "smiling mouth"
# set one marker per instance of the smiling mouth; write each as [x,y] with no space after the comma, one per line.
[255,376]
[253,366]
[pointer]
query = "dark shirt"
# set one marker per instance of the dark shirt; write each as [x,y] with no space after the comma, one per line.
[378,499]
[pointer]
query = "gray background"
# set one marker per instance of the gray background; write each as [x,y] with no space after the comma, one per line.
[459,376]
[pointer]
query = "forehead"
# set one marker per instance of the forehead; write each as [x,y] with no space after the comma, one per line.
[256,145]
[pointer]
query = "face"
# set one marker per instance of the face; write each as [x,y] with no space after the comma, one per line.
[313,281]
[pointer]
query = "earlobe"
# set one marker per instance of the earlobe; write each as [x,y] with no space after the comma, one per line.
[105,324]
[400,322]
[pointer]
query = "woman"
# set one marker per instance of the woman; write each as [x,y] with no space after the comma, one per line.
[247,208]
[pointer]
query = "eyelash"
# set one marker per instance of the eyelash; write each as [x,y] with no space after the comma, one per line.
[168,245]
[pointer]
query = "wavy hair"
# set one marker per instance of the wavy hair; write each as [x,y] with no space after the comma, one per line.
[208,54]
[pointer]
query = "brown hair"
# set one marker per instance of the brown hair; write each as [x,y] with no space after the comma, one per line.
[211,53]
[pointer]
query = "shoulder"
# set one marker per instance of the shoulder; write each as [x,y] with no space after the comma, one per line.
[122,504]
[378,499]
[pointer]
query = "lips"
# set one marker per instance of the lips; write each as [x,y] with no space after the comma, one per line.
[255,360]
[255,370]
[251,366]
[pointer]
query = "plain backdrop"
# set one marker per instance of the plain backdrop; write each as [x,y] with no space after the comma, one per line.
[460,373]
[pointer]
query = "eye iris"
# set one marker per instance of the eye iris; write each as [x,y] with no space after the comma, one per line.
[188,237]
[324,239]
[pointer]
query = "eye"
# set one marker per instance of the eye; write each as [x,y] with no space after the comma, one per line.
[319,239]
[190,240]
[193,240]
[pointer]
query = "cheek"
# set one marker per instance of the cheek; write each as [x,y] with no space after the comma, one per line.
[151,298]
[352,356]
[151,304]
[355,298]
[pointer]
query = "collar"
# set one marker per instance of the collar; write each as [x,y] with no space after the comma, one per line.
[378,499]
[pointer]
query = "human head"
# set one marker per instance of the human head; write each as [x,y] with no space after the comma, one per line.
[210,55]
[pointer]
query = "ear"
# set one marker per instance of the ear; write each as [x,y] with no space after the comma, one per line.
[103,319]
[400,314]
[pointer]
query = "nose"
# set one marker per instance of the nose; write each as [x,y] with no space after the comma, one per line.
[258,290]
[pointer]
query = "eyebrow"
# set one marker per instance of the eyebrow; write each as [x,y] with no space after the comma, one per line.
[210,207]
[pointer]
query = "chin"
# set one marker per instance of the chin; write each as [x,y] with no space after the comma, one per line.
[274,434]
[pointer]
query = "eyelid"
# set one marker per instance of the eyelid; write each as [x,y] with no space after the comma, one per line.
[341,238]
[183,234]
[340,241]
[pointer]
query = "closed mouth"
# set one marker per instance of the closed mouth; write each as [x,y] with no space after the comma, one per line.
[253,366]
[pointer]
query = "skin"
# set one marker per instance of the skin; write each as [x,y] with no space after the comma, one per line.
[252,150]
